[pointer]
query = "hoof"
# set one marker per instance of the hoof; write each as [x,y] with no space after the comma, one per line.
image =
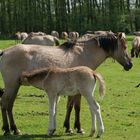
[17,132]
[81,131]
[70,131]
[100,133]
[50,132]
[7,133]
[92,133]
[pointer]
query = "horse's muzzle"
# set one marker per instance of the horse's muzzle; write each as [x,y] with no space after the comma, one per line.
[128,66]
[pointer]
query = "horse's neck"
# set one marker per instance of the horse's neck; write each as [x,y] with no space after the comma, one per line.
[93,56]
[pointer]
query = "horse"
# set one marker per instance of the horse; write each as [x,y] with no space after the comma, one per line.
[55,34]
[73,35]
[91,52]
[40,39]
[64,35]
[135,47]
[70,79]
[20,36]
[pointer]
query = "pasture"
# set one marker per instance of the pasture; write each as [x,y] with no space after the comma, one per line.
[120,108]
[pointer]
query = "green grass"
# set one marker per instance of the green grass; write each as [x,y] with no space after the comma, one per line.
[120,107]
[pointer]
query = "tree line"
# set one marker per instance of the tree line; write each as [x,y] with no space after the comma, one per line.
[69,15]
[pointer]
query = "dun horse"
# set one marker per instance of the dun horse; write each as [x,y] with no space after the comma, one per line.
[91,52]
[70,79]
[135,47]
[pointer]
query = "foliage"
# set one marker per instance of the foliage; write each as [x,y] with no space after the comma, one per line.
[68,15]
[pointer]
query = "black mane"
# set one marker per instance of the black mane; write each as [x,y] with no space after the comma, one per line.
[68,45]
[108,43]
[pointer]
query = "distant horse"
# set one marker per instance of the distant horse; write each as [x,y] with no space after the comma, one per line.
[55,34]
[77,79]
[73,35]
[40,39]
[20,36]
[91,52]
[135,47]
[64,35]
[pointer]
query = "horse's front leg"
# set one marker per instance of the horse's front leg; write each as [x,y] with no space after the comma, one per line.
[77,104]
[5,126]
[7,105]
[68,112]
[11,95]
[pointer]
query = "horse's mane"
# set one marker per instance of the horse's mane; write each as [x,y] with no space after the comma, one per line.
[68,45]
[107,42]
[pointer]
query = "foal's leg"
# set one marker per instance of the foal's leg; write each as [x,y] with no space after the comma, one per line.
[52,115]
[57,101]
[68,112]
[99,118]
[95,110]
[77,104]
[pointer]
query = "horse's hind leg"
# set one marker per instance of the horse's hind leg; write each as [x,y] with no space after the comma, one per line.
[68,112]
[77,103]
[95,113]
[7,105]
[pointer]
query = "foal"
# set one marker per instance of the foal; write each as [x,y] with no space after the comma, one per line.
[68,81]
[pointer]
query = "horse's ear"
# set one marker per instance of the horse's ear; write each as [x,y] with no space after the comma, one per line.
[115,35]
[121,35]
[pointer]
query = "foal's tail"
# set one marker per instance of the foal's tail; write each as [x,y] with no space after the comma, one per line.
[101,84]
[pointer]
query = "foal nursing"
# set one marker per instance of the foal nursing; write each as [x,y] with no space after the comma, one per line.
[60,81]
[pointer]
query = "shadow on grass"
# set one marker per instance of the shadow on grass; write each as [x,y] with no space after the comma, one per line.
[43,136]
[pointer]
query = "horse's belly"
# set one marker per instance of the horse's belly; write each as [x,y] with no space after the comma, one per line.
[69,91]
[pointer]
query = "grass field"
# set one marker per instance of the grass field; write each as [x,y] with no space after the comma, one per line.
[120,107]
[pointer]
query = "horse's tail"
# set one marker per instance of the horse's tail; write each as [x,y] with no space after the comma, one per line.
[101,84]
[1,52]
[1,92]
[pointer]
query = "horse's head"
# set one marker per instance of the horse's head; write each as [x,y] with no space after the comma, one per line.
[121,52]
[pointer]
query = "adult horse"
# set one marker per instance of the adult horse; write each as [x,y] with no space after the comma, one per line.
[91,52]
[135,47]
[46,40]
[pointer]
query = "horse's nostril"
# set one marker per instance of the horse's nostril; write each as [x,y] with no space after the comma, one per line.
[128,66]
